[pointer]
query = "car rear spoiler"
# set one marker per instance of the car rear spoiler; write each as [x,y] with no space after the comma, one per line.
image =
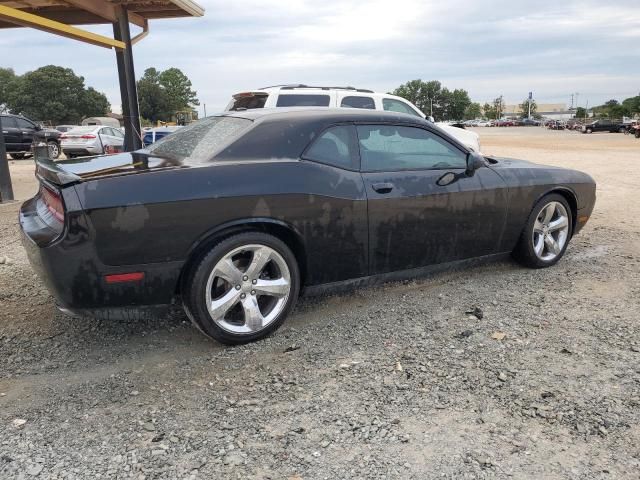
[50,171]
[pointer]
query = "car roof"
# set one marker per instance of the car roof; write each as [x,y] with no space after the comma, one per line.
[326,114]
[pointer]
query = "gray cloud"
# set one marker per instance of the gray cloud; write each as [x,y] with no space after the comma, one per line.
[488,48]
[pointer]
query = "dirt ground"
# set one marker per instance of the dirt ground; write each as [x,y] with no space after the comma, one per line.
[389,382]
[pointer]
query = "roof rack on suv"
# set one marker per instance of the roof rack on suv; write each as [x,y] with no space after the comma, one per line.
[301,85]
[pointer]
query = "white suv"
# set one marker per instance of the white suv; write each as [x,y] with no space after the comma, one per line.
[336,97]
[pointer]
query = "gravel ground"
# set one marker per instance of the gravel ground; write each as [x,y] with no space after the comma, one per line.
[540,380]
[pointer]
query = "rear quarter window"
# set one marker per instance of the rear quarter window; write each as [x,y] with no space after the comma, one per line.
[337,146]
[356,101]
[303,100]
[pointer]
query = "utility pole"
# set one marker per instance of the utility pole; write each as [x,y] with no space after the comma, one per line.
[205,109]
[6,190]
[571,102]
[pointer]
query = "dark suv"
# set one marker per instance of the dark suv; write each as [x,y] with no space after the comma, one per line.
[20,133]
[603,125]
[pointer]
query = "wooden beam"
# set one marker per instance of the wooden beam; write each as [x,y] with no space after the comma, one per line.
[105,10]
[19,17]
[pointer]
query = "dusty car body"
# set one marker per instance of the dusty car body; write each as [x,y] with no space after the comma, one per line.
[131,230]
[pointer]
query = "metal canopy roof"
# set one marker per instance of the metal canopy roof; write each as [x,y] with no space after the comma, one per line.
[84,12]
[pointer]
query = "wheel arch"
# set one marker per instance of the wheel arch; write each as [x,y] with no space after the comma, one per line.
[571,198]
[278,228]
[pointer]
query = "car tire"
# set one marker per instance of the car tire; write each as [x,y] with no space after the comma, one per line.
[589,130]
[535,249]
[622,130]
[54,149]
[17,156]
[222,289]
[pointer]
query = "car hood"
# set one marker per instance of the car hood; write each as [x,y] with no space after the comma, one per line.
[506,162]
[87,168]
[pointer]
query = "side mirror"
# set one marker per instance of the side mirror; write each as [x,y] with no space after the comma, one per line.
[474,162]
[38,127]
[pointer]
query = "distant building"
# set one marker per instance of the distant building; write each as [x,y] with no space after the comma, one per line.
[554,111]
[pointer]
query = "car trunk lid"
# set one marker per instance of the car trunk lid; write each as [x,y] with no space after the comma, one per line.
[67,172]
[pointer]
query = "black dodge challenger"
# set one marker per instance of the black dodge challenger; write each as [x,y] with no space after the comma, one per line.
[236,214]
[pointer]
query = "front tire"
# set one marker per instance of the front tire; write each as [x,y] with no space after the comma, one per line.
[17,156]
[243,288]
[546,235]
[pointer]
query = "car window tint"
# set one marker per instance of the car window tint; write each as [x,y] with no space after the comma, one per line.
[22,123]
[392,147]
[9,122]
[358,102]
[335,146]
[392,105]
[118,133]
[302,101]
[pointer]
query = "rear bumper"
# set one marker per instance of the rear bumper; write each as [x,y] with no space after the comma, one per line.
[71,270]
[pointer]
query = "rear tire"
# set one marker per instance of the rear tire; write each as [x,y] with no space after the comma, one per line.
[17,156]
[546,234]
[589,130]
[243,289]
[54,149]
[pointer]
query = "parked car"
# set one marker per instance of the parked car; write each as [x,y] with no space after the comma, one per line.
[603,125]
[504,122]
[303,96]
[557,125]
[154,134]
[65,128]
[528,122]
[485,123]
[20,133]
[91,140]
[238,213]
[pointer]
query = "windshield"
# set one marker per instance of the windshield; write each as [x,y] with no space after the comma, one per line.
[198,142]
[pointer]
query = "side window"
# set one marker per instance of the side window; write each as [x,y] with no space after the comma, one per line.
[336,146]
[22,123]
[358,102]
[9,122]
[393,105]
[303,101]
[392,147]
[118,133]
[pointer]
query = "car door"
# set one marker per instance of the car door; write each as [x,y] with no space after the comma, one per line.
[27,130]
[12,135]
[423,207]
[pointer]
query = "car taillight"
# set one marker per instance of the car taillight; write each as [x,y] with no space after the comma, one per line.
[88,136]
[53,202]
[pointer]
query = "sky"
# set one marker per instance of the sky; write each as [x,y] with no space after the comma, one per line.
[491,47]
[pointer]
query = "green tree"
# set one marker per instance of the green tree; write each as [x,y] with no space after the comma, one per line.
[524,108]
[8,85]
[432,99]
[580,113]
[489,110]
[632,104]
[152,97]
[498,107]
[56,94]
[473,111]
[178,88]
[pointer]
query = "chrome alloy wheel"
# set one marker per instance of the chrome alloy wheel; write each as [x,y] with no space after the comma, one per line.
[550,231]
[247,289]
[54,150]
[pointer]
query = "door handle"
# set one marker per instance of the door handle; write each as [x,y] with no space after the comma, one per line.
[382,187]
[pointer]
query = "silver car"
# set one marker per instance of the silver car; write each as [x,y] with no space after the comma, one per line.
[91,140]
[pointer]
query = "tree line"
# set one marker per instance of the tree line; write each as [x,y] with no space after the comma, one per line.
[57,95]
[50,93]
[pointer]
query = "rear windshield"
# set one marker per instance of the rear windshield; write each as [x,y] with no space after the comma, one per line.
[303,101]
[248,101]
[199,141]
